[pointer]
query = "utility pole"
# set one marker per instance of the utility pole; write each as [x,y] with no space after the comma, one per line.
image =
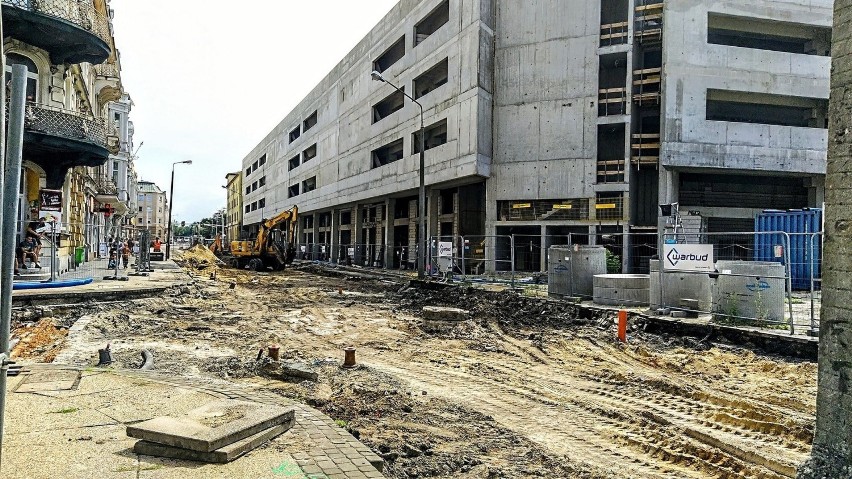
[831,455]
[12,177]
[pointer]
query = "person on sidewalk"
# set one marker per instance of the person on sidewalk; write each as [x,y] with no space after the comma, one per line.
[32,232]
[125,253]
[157,244]
[26,250]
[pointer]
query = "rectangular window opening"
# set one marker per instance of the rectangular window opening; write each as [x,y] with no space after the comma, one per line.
[436,135]
[294,162]
[390,56]
[432,78]
[261,203]
[295,133]
[611,153]
[766,109]
[254,166]
[310,122]
[248,171]
[262,181]
[387,154]
[773,35]
[433,21]
[309,154]
[293,190]
[390,104]
[262,160]
[309,185]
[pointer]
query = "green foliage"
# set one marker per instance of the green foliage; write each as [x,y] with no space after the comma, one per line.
[613,263]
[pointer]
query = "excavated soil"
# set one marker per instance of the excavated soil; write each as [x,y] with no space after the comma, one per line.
[524,388]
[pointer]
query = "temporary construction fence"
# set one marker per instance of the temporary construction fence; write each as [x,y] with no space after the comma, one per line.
[67,251]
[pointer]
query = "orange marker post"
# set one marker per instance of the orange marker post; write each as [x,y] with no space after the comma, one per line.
[622,326]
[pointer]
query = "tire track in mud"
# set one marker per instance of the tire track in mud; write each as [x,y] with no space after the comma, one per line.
[657,432]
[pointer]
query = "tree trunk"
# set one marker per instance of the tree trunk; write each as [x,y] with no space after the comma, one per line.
[832,450]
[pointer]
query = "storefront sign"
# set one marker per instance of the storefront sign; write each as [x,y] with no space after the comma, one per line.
[50,200]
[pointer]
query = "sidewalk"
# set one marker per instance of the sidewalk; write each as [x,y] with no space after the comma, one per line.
[166,275]
[70,423]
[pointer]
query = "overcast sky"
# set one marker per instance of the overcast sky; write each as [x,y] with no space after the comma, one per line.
[209,79]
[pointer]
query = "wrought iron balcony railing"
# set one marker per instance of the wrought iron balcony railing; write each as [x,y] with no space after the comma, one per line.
[67,124]
[81,13]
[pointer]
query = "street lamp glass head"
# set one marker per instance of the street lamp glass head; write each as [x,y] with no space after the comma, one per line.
[377,76]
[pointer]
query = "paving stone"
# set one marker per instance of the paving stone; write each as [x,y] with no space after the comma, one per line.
[222,455]
[212,426]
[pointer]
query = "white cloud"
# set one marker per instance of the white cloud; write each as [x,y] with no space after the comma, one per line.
[210,79]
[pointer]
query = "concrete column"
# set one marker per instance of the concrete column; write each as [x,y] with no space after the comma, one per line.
[816,191]
[831,455]
[390,207]
[357,228]
[432,210]
[335,236]
[626,248]
[315,248]
[593,235]
[543,249]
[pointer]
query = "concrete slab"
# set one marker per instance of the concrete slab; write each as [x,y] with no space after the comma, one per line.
[212,426]
[49,380]
[222,455]
[438,313]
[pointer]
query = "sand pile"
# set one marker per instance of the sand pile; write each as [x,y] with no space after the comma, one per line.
[199,257]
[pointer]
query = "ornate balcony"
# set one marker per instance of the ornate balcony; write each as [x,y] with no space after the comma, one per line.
[57,139]
[72,31]
[108,70]
[105,190]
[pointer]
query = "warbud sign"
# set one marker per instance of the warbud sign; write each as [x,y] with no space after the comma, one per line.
[688,257]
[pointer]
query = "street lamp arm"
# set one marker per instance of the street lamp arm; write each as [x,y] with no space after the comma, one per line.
[406,95]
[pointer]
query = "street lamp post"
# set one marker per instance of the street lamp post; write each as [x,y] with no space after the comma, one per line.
[171,203]
[421,201]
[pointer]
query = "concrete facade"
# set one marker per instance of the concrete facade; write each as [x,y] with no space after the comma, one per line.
[562,117]
[234,211]
[153,209]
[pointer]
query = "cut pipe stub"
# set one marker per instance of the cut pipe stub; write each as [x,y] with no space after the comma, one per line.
[349,357]
[275,352]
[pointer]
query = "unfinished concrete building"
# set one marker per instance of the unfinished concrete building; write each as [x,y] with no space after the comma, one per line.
[550,117]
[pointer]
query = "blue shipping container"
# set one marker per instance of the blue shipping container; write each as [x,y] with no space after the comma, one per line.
[805,228]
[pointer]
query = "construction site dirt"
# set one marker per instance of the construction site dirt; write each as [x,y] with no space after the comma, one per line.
[525,387]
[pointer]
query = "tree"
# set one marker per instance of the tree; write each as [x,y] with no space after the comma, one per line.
[832,450]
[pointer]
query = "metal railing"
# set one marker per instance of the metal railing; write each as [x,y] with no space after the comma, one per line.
[105,185]
[81,13]
[66,123]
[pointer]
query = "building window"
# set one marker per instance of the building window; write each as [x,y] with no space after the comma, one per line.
[254,206]
[391,56]
[293,190]
[390,104]
[248,189]
[295,133]
[766,109]
[345,217]
[387,154]
[309,185]
[248,171]
[261,203]
[432,79]
[32,74]
[429,25]
[262,160]
[309,122]
[773,35]
[436,135]
[261,182]
[254,186]
[293,163]
[247,208]
[309,153]
[254,166]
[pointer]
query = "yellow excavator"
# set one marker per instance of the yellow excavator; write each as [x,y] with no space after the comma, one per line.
[274,248]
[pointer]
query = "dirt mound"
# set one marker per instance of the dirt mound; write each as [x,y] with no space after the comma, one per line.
[199,257]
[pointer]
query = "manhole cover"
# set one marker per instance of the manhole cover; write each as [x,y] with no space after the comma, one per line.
[40,381]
